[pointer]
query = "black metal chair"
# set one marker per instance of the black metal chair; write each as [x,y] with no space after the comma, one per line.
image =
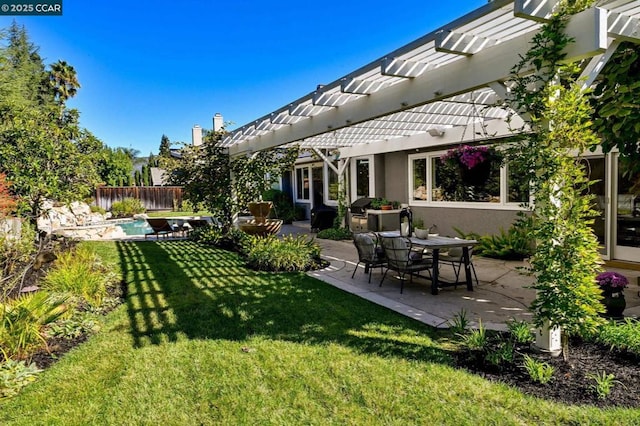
[403,259]
[455,259]
[369,253]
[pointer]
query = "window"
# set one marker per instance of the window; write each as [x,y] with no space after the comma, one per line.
[420,179]
[302,183]
[442,178]
[456,182]
[362,174]
[332,190]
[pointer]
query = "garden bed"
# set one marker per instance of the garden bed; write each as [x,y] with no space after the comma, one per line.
[571,382]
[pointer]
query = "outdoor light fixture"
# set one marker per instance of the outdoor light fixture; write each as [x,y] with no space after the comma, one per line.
[436,131]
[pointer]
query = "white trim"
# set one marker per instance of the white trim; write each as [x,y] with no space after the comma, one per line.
[306,166]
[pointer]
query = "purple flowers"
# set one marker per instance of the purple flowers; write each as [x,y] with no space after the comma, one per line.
[469,156]
[612,281]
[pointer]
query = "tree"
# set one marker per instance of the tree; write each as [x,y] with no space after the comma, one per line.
[63,82]
[615,102]
[116,168]
[165,147]
[22,73]
[205,174]
[40,158]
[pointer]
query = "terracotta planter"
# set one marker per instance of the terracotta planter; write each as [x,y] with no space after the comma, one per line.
[387,207]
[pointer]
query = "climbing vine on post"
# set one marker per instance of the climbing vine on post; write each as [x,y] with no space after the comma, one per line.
[558,117]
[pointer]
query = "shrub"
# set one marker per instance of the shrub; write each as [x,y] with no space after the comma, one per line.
[127,207]
[538,371]
[283,207]
[23,319]
[476,339]
[97,209]
[233,239]
[14,375]
[624,337]
[16,252]
[335,234]
[520,331]
[502,354]
[70,328]
[460,322]
[602,384]
[291,253]
[513,244]
[207,235]
[79,273]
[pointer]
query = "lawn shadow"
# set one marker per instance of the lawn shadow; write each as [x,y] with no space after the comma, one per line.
[179,289]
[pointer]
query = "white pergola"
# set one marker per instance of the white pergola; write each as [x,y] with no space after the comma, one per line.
[438,89]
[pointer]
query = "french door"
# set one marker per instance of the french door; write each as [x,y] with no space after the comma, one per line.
[627,214]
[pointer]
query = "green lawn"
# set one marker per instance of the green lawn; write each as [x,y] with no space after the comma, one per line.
[203,340]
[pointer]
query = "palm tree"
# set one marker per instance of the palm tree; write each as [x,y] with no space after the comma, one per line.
[63,81]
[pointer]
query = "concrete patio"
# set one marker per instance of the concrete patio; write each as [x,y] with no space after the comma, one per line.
[501,294]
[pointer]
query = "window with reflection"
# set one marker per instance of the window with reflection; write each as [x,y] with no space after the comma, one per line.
[517,185]
[419,178]
[467,174]
[302,183]
[362,177]
[333,182]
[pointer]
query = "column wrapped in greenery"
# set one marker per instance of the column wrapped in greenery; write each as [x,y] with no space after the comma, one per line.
[558,125]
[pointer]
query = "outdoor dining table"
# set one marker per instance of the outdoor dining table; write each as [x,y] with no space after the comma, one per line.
[435,244]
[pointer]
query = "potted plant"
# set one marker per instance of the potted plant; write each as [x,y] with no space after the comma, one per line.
[612,285]
[386,204]
[376,203]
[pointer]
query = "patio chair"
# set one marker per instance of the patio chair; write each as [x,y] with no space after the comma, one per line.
[403,259]
[455,259]
[159,227]
[369,253]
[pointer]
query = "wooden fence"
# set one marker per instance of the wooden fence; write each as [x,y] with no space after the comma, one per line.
[152,197]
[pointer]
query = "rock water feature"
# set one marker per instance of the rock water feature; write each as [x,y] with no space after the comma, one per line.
[77,221]
[260,225]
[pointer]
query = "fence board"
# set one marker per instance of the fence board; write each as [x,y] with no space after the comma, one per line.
[152,197]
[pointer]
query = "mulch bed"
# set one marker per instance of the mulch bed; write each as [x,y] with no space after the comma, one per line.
[571,383]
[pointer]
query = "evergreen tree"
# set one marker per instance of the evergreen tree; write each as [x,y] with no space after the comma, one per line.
[165,147]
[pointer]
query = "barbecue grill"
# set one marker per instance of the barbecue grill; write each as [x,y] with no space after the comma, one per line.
[358,214]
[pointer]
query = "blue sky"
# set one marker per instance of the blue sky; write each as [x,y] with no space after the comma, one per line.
[149,68]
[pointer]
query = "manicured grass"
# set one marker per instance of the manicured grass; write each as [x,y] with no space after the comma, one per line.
[203,340]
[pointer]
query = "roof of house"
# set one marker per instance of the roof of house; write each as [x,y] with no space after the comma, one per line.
[438,89]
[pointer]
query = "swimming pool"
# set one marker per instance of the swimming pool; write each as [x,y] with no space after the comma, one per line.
[136,227]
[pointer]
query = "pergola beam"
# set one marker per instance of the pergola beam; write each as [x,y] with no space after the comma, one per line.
[496,129]
[619,26]
[492,64]
[623,28]
[403,68]
[362,87]
[461,43]
[536,10]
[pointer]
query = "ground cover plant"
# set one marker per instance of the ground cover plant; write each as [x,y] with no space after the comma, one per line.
[601,371]
[202,339]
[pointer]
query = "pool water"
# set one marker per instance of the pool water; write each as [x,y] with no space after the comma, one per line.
[137,227]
